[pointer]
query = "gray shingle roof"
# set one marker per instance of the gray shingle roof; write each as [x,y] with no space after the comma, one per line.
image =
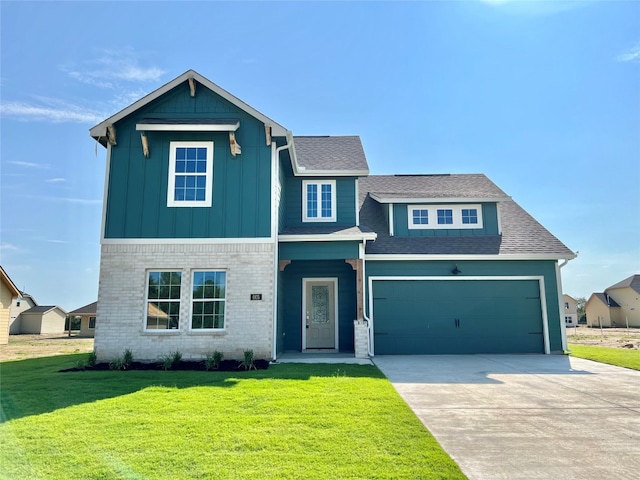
[40,309]
[325,230]
[332,154]
[86,310]
[521,233]
[606,299]
[633,281]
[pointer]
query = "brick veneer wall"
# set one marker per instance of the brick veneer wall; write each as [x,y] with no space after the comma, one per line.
[121,313]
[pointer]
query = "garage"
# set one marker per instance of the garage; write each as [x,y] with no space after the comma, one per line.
[461,316]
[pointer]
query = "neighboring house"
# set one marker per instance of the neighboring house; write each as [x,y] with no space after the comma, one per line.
[617,306]
[87,315]
[20,304]
[43,319]
[8,293]
[570,311]
[223,231]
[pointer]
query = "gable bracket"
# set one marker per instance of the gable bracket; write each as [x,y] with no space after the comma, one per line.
[267,133]
[235,147]
[145,144]
[111,134]
[192,86]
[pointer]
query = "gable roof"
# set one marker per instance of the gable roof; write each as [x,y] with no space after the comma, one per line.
[89,309]
[321,155]
[99,131]
[604,298]
[41,309]
[4,276]
[522,236]
[632,282]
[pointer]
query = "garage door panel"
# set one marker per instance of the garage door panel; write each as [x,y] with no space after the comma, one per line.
[463,316]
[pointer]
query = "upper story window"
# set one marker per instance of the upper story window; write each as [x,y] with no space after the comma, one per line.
[190,174]
[444,216]
[319,201]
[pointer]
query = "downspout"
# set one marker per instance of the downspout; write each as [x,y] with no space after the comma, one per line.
[364,298]
[563,327]
[276,212]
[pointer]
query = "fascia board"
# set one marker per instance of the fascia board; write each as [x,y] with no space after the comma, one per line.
[201,127]
[100,129]
[384,199]
[327,238]
[418,257]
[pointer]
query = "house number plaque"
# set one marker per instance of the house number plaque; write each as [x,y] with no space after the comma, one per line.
[256,296]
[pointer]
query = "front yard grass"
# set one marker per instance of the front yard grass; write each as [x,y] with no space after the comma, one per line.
[613,356]
[290,421]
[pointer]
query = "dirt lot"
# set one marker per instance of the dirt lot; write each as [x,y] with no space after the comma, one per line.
[607,337]
[30,346]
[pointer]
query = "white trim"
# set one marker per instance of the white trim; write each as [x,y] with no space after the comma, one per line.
[145,304]
[208,175]
[328,238]
[302,172]
[100,129]
[391,199]
[336,325]
[275,220]
[334,208]
[183,127]
[357,201]
[503,256]
[192,272]
[539,278]
[391,220]
[186,241]
[499,219]
[563,329]
[456,213]
[104,193]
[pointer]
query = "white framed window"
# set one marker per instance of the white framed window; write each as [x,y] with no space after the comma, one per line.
[163,300]
[190,174]
[319,201]
[444,216]
[208,299]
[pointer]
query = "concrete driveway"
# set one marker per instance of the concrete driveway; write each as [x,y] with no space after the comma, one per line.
[525,416]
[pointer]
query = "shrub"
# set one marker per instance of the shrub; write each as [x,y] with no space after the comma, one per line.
[123,362]
[92,359]
[171,360]
[212,362]
[247,361]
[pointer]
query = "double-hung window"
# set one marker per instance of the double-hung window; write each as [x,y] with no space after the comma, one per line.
[190,174]
[163,300]
[208,298]
[92,322]
[319,201]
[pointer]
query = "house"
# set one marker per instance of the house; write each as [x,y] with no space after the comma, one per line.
[20,304]
[617,306]
[221,230]
[43,319]
[8,293]
[570,311]
[87,315]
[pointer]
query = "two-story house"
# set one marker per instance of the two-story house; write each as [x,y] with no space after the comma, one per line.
[223,231]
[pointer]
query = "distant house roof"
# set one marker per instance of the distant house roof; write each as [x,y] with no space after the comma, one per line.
[606,299]
[10,285]
[89,309]
[633,282]
[319,154]
[40,309]
[521,234]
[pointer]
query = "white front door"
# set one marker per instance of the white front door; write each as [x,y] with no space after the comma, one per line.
[319,313]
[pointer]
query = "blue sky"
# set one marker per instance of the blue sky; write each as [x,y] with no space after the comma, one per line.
[543,97]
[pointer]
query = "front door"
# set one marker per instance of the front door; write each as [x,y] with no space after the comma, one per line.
[319,313]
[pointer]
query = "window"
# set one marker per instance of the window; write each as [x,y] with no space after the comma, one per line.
[208,300]
[420,216]
[469,216]
[566,305]
[318,201]
[163,300]
[92,322]
[190,174]
[444,216]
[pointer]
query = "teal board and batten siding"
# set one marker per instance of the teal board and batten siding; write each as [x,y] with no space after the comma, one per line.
[452,315]
[345,200]
[290,301]
[137,186]
[318,250]
[401,224]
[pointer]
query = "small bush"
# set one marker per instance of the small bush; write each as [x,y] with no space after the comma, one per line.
[247,362]
[212,362]
[127,357]
[92,359]
[123,362]
[171,360]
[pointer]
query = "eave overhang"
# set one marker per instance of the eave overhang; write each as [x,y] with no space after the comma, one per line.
[451,257]
[328,238]
[395,198]
[188,125]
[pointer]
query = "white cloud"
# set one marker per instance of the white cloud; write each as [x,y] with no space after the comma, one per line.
[56,180]
[28,164]
[8,246]
[77,201]
[539,7]
[631,55]
[54,113]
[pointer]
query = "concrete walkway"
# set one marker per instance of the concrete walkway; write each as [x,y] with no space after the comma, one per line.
[525,416]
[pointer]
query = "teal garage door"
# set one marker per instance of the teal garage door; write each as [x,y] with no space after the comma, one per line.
[457,317]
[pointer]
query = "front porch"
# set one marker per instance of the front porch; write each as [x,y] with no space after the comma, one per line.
[307,357]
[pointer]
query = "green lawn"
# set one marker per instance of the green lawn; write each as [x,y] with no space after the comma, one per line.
[291,421]
[614,356]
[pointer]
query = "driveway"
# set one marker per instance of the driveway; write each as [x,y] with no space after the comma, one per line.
[525,416]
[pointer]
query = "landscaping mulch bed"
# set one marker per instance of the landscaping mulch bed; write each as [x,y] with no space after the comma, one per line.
[224,366]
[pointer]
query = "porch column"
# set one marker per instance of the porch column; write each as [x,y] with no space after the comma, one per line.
[356,264]
[360,327]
